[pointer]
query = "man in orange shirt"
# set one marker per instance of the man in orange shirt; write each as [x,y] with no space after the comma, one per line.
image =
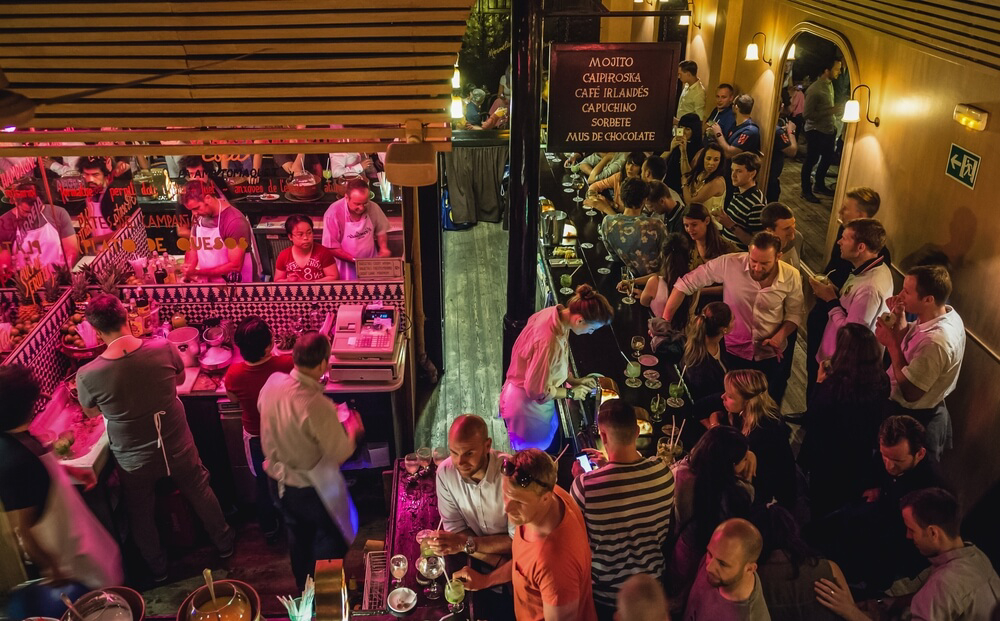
[550,569]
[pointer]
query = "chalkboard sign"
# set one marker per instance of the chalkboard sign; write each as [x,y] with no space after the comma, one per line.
[612,96]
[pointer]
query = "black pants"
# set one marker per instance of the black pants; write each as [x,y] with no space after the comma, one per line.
[312,535]
[267,510]
[821,151]
[774,371]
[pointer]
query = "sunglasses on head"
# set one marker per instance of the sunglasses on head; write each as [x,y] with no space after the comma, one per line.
[510,470]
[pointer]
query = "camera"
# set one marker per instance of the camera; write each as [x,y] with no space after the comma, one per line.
[678,132]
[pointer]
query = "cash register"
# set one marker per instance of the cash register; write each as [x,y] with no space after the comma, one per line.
[366,343]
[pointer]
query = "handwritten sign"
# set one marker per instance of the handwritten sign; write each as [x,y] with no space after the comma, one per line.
[612,96]
[382,268]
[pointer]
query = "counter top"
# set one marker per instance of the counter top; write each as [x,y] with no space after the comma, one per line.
[606,351]
[195,387]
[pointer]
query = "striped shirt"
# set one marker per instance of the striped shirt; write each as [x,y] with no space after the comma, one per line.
[627,509]
[744,208]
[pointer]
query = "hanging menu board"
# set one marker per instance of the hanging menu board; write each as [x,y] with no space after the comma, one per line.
[612,96]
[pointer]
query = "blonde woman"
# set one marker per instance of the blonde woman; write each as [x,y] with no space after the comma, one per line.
[749,408]
[704,351]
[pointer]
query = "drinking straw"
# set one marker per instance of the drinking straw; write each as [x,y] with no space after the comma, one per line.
[573,273]
[681,430]
[673,427]
[560,453]
[683,371]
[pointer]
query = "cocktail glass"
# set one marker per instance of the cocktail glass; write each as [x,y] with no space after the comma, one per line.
[566,282]
[431,567]
[440,454]
[676,392]
[657,407]
[627,277]
[632,371]
[638,343]
[579,184]
[454,594]
[397,567]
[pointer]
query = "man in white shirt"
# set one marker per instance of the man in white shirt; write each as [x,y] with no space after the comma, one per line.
[862,299]
[692,98]
[926,354]
[470,494]
[765,295]
[960,584]
[305,441]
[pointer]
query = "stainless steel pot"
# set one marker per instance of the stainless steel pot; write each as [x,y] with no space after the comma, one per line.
[188,344]
[552,223]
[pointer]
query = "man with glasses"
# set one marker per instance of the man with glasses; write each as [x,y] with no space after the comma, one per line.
[550,570]
[355,228]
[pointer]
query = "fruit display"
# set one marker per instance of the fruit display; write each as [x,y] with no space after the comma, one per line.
[71,433]
[18,319]
[79,339]
[564,252]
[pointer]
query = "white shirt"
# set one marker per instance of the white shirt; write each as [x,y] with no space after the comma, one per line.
[466,504]
[346,163]
[692,100]
[934,350]
[758,311]
[298,426]
[862,300]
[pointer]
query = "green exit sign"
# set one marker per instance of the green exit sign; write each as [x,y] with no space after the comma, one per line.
[963,166]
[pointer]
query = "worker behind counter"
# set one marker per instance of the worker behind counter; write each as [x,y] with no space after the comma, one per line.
[35,233]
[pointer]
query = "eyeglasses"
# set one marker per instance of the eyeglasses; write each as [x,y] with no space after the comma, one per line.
[509,469]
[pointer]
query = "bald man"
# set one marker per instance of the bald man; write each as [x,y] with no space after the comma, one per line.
[727,587]
[641,598]
[470,495]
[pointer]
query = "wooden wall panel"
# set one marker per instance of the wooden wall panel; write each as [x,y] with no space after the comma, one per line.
[313,62]
[917,75]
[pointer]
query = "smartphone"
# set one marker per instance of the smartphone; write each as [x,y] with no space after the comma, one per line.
[678,131]
[584,460]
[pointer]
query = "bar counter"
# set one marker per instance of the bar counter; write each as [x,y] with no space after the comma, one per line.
[607,351]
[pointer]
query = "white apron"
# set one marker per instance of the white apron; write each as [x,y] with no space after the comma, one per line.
[70,532]
[358,242]
[49,251]
[530,424]
[209,256]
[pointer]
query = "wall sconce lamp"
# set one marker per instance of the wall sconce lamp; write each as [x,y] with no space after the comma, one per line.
[971,117]
[852,109]
[753,53]
[457,109]
[456,79]
[685,19]
[791,52]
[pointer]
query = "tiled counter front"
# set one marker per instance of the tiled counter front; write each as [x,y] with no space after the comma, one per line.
[278,304]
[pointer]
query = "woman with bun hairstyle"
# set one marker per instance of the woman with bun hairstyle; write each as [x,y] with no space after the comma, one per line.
[539,368]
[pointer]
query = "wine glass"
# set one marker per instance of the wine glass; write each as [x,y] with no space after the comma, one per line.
[627,276]
[578,184]
[397,567]
[440,454]
[411,463]
[431,567]
[657,407]
[424,459]
[604,269]
[454,593]
[638,343]
[632,371]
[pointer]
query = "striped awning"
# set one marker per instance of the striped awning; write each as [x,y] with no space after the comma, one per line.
[345,69]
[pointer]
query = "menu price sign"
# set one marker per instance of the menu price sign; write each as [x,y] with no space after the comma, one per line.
[612,96]
[380,268]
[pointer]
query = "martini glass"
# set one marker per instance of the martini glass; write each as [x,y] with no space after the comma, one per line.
[632,371]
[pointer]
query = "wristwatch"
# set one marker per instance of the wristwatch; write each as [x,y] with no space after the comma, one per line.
[470,546]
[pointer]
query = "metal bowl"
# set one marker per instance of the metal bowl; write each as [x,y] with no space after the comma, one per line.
[214,336]
[215,359]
